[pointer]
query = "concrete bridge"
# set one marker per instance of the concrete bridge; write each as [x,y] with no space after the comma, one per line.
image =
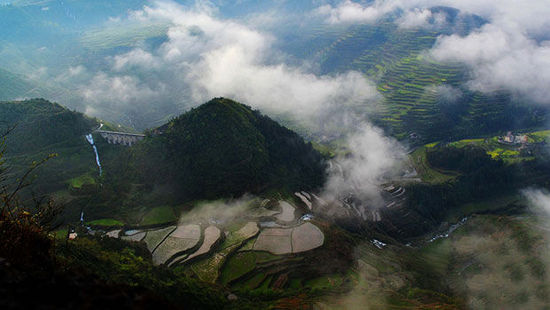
[123,138]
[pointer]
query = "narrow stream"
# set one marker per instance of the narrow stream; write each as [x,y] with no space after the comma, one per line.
[451,229]
[91,141]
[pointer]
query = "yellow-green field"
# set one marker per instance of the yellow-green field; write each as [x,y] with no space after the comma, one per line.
[159,215]
[508,153]
[84,179]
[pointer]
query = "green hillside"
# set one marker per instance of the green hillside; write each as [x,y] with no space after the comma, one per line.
[41,128]
[224,148]
[413,85]
[219,149]
[40,123]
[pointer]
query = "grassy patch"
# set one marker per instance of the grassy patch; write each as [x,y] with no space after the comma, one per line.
[159,215]
[237,266]
[84,179]
[325,282]
[242,263]
[538,136]
[255,281]
[106,222]
[427,173]
[60,234]
[482,206]
[465,142]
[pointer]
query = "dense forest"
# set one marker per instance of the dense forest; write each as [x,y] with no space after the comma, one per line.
[223,149]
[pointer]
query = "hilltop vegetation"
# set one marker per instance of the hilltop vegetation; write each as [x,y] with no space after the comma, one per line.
[42,128]
[223,148]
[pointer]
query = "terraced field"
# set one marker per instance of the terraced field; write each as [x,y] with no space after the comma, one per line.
[155,237]
[239,249]
[212,234]
[185,237]
[421,96]
[289,240]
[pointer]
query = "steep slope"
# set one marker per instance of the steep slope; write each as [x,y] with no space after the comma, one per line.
[226,148]
[41,128]
[223,148]
[40,123]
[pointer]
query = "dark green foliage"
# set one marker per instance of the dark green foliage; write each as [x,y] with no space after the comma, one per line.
[466,159]
[479,178]
[41,128]
[224,148]
[481,175]
[217,150]
[117,262]
[40,123]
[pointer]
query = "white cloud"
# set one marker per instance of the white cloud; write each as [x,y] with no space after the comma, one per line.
[207,57]
[539,200]
[233,72]
[511,52]
[352,12]
[371,159]
[499,58]
[105,94]
[77,70]
[415,18]
[136,57]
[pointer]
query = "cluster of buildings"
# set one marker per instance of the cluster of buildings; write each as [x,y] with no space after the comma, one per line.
[510,138]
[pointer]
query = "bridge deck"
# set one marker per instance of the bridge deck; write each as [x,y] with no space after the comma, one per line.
[120,133]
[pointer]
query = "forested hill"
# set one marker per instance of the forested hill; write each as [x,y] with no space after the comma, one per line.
[224,148]
[219,149]
[39,123]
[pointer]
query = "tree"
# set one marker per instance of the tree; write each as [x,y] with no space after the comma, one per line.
[24,225]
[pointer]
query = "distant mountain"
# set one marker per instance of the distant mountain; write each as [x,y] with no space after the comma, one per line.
[414,87]
[224,148]
[13,86]
[44,20]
